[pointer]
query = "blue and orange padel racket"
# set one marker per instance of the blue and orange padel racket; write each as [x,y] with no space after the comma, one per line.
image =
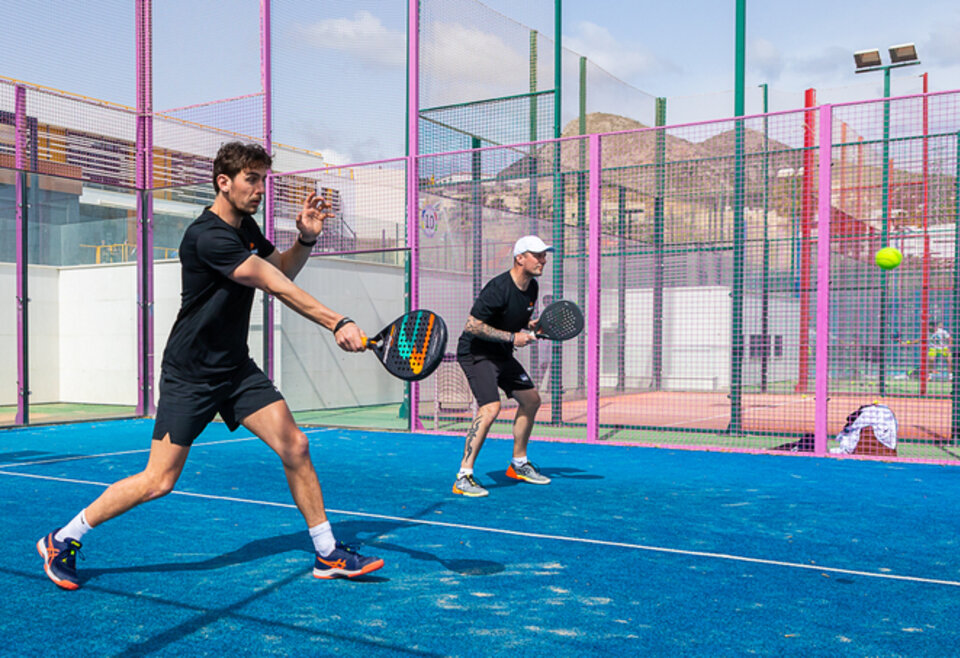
[412,346]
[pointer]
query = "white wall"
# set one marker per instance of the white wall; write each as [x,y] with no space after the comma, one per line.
[696,337]
[97,334]
[43,335]
[315,373]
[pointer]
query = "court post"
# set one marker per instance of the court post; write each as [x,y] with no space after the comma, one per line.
[266,72]
[739,232]
[824,206]
[955,353]
[413,189]
[659,260]
[22,258]
[593,293]
[144,185]
[559,237]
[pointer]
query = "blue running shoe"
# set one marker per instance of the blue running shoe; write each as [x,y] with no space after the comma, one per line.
[344,561]
[60,560]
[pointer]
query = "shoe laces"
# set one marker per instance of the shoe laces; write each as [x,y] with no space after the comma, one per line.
[471,480]
[71,552]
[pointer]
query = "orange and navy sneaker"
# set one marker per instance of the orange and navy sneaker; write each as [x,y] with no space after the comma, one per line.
[344,562]
[60,560]
[528,473]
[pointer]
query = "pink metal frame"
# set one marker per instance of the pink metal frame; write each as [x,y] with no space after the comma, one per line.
[269,338]
[413,188]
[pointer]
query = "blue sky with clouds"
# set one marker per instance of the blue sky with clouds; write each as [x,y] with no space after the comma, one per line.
[339,75]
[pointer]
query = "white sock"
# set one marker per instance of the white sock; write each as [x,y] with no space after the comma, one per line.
[518,461]
[76,529]
[322,536]
[464,471]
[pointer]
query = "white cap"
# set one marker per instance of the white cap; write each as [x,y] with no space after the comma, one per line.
[532,244]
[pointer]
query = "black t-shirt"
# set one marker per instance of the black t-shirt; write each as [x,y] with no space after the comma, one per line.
[209,338]
[502,305]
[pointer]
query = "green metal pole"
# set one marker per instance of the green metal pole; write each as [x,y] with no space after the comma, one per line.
[582,193]
[955,354]
[660,155]
[556,361]
[476,205]
[739,230]
[884,230]
[622,289]
[533,85]
[765,298]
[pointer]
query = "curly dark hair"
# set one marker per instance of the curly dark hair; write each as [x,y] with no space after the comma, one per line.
[234,157]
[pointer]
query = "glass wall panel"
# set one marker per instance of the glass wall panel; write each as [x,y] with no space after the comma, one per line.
[82,336]
[8,295]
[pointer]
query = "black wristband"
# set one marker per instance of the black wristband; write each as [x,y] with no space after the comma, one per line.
[306,244]
[340,325]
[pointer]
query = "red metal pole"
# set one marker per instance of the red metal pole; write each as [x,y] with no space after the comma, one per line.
[806,229]
[925,288]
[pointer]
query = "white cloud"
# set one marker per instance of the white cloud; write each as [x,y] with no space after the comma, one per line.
[461,63]
[623,60]
[764,59]
[364,36]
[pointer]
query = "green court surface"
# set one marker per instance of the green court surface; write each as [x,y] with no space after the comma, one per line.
[67,412]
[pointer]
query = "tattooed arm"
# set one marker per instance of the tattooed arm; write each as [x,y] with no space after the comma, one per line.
[483,330]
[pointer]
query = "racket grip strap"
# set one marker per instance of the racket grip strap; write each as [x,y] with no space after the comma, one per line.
[344,321]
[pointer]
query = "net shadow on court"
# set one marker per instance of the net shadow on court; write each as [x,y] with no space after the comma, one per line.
[628,551]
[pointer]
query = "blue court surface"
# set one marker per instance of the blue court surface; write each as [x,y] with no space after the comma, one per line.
[630,551]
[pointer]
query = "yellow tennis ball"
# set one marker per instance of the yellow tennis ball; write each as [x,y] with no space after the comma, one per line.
[888,258]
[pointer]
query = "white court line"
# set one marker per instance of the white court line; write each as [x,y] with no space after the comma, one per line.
[141,450]
[537,535]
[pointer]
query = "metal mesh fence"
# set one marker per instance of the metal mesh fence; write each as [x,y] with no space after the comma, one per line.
[359,268]
[737,304]
[477,204]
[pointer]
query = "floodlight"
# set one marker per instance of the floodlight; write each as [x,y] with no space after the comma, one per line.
[867,58]
[906,52]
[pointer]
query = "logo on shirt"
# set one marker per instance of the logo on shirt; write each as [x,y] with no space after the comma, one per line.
[253,248]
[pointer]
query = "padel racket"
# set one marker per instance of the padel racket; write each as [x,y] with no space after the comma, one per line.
[412,346]
[561,320]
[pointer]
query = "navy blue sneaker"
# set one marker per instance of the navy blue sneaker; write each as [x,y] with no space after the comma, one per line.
[344,561]
[60,560]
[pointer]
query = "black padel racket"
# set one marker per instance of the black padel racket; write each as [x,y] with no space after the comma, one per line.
[561,320]
[412,346]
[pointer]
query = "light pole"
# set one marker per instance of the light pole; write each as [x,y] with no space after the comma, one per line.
[866,62]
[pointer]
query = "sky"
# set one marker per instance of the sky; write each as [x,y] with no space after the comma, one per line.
[339,78]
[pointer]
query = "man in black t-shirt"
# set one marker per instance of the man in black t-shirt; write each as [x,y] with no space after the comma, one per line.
[499,322]
[207,367]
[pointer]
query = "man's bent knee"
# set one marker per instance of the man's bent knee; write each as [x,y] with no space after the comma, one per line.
[295,448]
[158,486]
[490,410]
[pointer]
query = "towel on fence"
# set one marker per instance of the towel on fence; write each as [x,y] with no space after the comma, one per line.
[877,416]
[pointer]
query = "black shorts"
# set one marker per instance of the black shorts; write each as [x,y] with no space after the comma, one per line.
[186,407]
[485,374]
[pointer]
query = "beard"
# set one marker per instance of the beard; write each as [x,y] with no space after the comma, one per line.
[247,208]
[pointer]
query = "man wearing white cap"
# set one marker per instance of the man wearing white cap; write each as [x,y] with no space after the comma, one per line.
[498,323]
